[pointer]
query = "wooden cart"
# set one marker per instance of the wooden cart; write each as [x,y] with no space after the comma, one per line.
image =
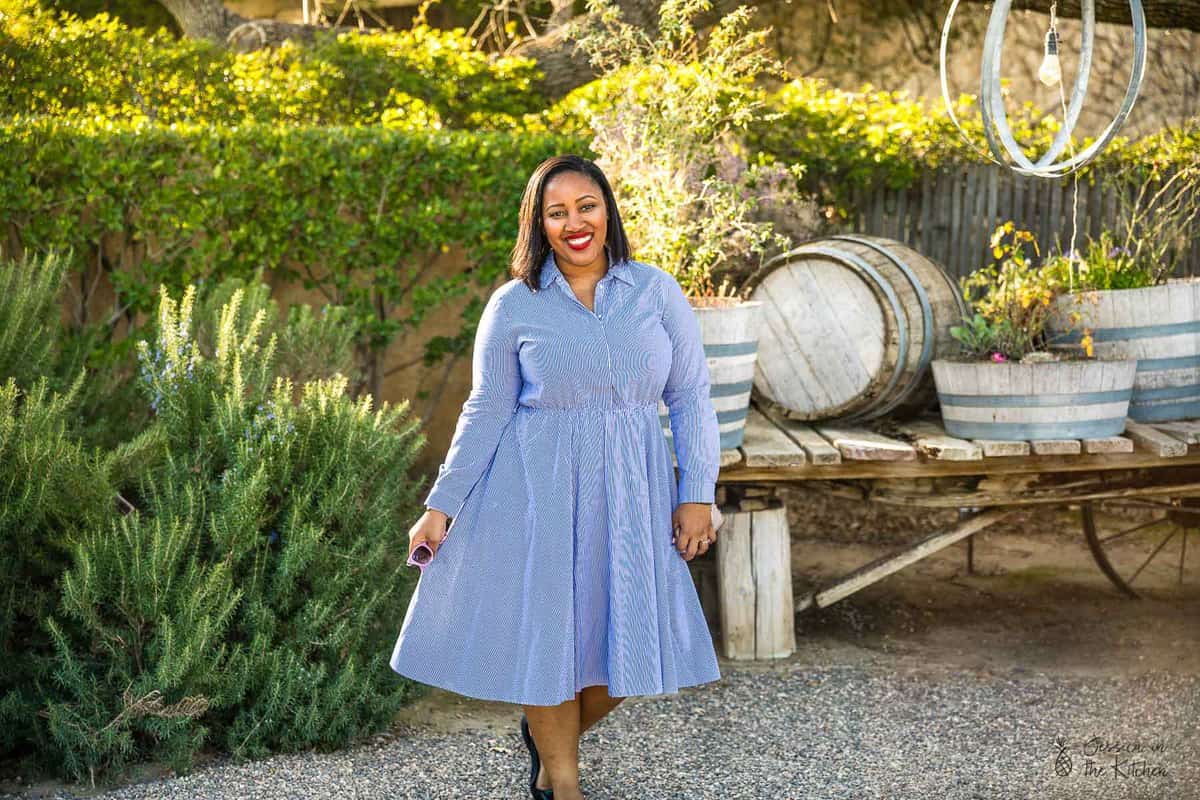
[1152,470]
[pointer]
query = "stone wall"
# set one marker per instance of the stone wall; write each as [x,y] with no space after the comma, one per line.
[897,50]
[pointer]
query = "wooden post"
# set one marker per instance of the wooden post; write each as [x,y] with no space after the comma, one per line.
[754,584]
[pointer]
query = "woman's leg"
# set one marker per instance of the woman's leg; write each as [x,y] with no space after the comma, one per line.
[594,704]
[555,731]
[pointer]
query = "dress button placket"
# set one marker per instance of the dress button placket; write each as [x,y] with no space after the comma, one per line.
[601,293]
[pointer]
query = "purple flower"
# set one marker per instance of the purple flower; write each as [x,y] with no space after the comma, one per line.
[1118,251]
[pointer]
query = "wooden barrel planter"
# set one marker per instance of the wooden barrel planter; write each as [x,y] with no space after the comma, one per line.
[851,325]
[730,335]
[1157,325]
[1074,399]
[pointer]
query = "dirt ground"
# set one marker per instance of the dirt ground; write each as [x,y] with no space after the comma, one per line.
[1035,600]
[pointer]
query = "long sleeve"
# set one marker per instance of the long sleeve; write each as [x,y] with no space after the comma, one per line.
[495,388]
[694,426]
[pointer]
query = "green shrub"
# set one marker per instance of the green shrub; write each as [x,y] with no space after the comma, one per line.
[247,597]
[29,312]
[51,487]
[670,139]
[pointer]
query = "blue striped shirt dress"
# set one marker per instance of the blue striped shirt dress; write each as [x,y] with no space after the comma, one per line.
[558,571]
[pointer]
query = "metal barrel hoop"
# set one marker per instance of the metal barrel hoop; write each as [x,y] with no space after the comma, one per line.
[995,117]
[1003,146]
[926,315]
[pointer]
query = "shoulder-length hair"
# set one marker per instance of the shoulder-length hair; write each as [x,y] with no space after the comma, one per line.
[532,246]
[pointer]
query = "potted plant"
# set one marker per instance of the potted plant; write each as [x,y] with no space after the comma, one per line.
[1007,384]
[1120,289]
[668,120]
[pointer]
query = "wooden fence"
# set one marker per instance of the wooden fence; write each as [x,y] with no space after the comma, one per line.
[950,214]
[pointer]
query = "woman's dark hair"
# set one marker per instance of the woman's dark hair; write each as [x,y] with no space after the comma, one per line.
[532,246]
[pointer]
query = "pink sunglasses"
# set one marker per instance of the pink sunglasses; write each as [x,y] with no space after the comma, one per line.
[422,554]
[420,557]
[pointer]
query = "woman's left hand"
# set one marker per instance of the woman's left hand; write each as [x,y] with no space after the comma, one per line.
[693,530]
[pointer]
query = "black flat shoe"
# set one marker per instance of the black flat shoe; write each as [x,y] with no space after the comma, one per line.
[535,764]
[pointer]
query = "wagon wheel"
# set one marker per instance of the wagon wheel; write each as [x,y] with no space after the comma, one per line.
[1145,546]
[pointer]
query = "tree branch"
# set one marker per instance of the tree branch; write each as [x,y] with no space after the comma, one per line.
[1159,13]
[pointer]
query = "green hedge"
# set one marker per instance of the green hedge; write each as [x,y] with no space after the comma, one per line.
[869,138]
[100,70]
[356,213]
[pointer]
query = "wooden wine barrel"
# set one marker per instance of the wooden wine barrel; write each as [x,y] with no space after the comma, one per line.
[850,326]
[1157,325]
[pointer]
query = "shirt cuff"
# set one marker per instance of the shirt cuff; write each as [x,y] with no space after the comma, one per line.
[439,498]
[697,489]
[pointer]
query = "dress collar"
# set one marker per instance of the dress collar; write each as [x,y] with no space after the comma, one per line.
[550,271]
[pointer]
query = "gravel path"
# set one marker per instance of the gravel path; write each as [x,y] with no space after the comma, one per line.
[789,730]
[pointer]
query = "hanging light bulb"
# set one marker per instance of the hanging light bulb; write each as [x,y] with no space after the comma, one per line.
[1050,73]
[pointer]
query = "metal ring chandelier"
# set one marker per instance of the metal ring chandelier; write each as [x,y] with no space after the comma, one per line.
[1003,146]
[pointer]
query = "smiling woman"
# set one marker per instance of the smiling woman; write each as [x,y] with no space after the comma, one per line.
[565,586]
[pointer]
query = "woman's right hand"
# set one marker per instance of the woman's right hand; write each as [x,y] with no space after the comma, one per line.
[430,528]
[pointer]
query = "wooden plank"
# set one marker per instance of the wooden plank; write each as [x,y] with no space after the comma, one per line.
[816,447]
[875,224]
[993,448]
[976,235]
[1009,200]
[1017,212]
[764,445]
[1053,225]
[729,458]
[1033,190]
[735,586]
[1157,442]
[1140,458]
[863,445]
[925,235]
[1108,444]
[939,223]
[1094,490]
[966,232]
[1187,431]
[882,567]
[1095,206]
[993,197]
[1056,447]
[954,260]
[774,612]
[932,441]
